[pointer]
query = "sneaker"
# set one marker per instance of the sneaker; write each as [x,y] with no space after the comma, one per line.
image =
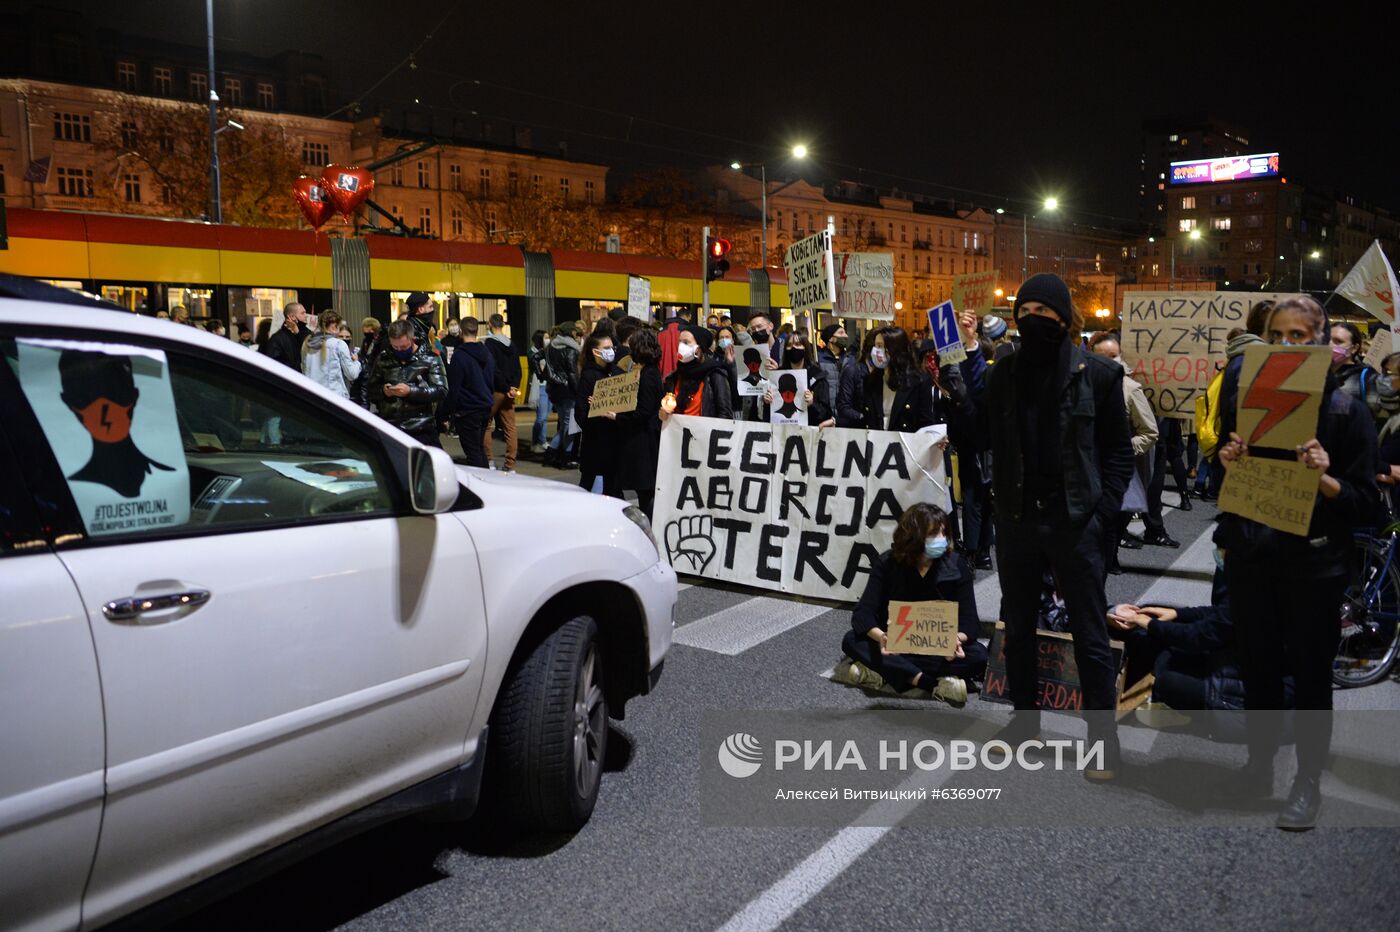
[1160,539]
[509,472]
[1130,542]
[952,690]
[1299,814]
[854,673]
[538,449]
[490,464]
[1159,715]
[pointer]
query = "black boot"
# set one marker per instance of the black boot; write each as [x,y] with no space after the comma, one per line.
[1299,814]
[1255,780]
[982,560]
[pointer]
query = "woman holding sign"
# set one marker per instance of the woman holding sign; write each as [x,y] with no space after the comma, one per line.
[598,446]
[639,431]
[921,567]
[1285,588]
[699,387]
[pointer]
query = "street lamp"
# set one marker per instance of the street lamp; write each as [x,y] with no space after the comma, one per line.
[1171,240]
[799,151]
[1312,255]
[216,209]
[1050,205]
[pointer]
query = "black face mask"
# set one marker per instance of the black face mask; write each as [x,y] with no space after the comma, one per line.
[759,336]
[1040,336]
[796,357]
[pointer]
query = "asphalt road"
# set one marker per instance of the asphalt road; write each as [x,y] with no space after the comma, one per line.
[646,861]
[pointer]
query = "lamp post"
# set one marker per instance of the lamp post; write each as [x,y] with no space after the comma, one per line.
[1301,260]
[216,209]
[1171,241]
[1049,205]
[799,151]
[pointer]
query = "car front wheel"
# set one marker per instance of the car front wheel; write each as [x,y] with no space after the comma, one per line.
[549,731]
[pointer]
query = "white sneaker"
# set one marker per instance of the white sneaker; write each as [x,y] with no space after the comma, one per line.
[538,448]
[952,690]
[508,472]
[490,464]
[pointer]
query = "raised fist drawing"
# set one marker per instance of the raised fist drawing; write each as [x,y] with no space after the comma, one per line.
[690,543]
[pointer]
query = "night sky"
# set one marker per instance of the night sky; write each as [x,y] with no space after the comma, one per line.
[973,99]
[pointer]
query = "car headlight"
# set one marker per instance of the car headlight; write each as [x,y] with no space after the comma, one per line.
[639,518]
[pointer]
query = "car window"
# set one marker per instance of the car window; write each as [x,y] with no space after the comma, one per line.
[158,441]
[19,526]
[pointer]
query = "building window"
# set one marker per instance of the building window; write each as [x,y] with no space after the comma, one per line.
[130,135]
[513,183]
[425,220]
[538,182]
[1220,223]
[126,75]
[132,184]
[423,180]
[160,81]
[266,99]
[396,175]
[976,240]
[964,246]
[74,127]
[167,194]
[1254,245]
[1186,224]
[903,233]
[485,182]
[456,216]
[233,91]
[491,223]
[588,192]
[779,215]
[1254,220]
[1222,200]
[454,177]
[1252,197]
[1156,270]
[1188,203]
[315,153]
[165,141]
[903,265]
[564,189]
[1288,223]
[199,85]
[940,265]
[75,182]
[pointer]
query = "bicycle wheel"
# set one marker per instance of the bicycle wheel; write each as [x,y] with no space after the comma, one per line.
[1370,616]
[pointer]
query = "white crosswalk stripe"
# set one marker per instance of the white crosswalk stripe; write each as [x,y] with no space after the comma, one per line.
[736,629]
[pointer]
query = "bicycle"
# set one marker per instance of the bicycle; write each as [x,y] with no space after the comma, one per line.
[1370,612]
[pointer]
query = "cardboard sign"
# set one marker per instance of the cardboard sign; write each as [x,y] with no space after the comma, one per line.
[1057,674]
[787,507]
[751,370]
[1280,394]
[1381,345]
[334,476]
[810,272]
[943,328]
[1279,494]
[639,297]
[864,285]
[923,628]
[1174,341]
[108,413]
[788,408]
[975,291]
[617,394]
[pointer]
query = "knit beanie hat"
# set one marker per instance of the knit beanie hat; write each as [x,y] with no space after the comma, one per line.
[1048,289]
[993,327]
[703,337]
[828,332]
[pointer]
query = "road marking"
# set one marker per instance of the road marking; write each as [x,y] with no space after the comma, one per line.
[736,629]
[1171,589]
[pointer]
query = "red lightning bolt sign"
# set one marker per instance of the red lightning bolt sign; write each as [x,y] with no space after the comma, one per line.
[904,622]
[1266,395]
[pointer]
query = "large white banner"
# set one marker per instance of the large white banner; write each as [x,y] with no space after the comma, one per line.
[788,507]
[809,272]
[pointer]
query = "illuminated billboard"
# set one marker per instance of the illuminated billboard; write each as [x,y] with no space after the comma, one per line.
[1229,168]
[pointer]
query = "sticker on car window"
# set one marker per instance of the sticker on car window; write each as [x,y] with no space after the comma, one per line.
[109,415]
[334,476]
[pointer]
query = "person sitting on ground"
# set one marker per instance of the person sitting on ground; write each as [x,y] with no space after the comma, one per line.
[921,566]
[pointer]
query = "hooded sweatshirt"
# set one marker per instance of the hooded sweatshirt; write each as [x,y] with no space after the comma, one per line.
[1230,381]
[507,362]
[469,378]
[326,361]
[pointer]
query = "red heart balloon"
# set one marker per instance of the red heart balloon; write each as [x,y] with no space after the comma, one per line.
[312,200]
[347,187]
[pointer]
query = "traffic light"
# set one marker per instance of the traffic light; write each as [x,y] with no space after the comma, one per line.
[715,263]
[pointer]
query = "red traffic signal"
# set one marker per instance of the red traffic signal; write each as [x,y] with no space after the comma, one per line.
[715,263]
[718,248]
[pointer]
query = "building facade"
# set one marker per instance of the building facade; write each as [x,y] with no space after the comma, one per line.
[1177,139]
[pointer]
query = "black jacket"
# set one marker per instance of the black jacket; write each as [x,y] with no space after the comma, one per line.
[285,346]
[507,362]
[948,580]
[639,435]
[849,411]
[561,369]
[715,377]
[1348,434]
[469,378]
[421,373]
[1094,440]
[598,445]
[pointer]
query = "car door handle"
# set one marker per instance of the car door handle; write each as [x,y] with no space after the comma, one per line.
[130,609]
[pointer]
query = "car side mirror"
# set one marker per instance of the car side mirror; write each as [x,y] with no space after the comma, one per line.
[433,486]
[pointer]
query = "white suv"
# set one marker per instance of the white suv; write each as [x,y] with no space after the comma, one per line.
[243,617]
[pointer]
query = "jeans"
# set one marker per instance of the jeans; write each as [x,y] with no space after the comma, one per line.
[565,443]
[537,437]
[503,413]
[899,670]
[470,425]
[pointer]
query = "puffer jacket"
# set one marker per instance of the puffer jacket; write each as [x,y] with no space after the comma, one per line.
[326,360]
[422,373]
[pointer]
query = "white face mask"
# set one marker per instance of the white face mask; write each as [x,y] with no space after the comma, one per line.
[607,355]
[878,358]
[454,330]
[687,351]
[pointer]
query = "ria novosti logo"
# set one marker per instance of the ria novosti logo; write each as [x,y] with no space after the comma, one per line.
[740,755]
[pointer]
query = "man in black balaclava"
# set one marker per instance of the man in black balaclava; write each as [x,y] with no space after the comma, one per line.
[1062,458]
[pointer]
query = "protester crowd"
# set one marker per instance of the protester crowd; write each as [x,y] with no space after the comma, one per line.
[1055,447]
